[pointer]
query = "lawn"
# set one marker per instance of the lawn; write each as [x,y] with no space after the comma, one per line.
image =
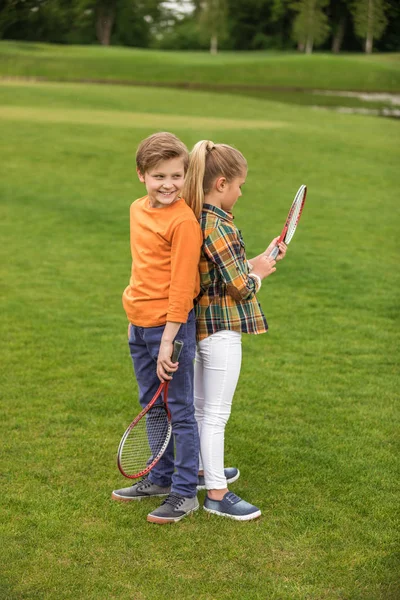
[314,426]
[288,70]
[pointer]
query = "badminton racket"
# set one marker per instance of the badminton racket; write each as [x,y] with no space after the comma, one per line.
[145,440]
[292,219]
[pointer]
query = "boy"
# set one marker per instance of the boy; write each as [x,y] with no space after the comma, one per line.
[165,245]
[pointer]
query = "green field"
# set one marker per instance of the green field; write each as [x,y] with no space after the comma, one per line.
[288,70]
[291,78]
[315,420]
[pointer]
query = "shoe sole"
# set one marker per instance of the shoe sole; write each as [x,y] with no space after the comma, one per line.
[164,520]
[115,496]
[228,481]
[250,517]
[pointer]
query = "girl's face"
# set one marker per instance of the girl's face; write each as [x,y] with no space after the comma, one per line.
[164,182]
[232,192]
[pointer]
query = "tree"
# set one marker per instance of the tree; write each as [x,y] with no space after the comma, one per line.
[105,12]
[213,21]
[137,22]
[12,12]
[310,26]
[280,23]
[126,22]
[339,16]
[390,41]
[35,20]
[369,20]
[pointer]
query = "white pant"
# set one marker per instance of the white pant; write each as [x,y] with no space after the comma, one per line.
[216,373]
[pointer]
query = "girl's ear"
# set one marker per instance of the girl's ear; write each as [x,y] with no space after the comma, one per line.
[220,184]
[141,177]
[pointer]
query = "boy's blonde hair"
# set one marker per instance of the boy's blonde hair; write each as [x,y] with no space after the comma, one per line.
[158,147]
[208,161]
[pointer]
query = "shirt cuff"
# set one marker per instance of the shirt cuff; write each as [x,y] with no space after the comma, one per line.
[256,279]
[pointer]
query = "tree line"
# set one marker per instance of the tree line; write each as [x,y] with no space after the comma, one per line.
[329,25]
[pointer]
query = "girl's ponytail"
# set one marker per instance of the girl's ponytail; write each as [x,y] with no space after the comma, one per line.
[193,190]
[207,162]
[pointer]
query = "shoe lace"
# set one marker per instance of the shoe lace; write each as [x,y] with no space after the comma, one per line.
[144,483]
[231,498]
[174,500]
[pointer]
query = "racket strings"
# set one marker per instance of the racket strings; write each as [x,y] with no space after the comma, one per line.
[145,441]
[294,219]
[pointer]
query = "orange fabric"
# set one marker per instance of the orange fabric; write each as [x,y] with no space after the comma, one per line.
[165,247]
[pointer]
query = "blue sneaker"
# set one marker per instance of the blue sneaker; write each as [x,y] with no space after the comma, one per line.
[233,507]
[231,474]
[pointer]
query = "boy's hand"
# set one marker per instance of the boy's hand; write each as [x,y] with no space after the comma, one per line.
[282,249]
[165,366]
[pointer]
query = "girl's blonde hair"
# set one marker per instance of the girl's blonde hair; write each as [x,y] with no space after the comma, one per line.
[208,161]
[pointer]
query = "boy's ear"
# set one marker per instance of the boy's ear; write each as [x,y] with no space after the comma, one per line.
[140,175]
[220,184]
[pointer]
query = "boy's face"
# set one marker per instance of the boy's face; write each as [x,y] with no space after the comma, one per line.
[164,181]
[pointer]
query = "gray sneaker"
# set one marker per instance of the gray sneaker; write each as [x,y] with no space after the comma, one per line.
[173,509]
[231,474]
[143,489]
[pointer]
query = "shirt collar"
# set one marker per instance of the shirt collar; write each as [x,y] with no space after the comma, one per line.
[218,211]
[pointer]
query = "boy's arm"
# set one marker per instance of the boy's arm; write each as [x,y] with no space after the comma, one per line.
[185,256]
[164,364]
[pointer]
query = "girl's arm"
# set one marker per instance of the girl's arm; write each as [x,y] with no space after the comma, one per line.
[224,247]
[282,252]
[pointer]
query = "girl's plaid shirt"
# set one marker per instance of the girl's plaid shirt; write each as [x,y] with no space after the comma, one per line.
[227,298]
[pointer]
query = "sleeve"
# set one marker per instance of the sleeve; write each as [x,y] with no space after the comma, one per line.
[223,247]
[185,257]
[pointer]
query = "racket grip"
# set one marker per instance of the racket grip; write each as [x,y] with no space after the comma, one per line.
[274,252]
[178,345]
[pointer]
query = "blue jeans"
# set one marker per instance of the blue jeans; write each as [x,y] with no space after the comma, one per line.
[181,471]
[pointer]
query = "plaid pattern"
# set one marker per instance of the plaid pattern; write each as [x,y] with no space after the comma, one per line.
[227,297]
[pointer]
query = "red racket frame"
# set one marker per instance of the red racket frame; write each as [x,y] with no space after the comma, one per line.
[163,387]
[275,251]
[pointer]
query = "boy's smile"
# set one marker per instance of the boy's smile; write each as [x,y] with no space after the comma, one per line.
[164,182]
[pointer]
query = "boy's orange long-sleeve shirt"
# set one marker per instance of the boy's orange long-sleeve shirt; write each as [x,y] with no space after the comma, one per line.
[165,247]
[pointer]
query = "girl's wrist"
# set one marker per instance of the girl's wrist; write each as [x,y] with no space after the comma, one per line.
[257,280]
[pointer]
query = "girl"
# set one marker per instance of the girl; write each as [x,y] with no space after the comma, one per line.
[226,308]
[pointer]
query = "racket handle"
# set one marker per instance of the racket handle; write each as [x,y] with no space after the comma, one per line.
[274,252]
[178,345]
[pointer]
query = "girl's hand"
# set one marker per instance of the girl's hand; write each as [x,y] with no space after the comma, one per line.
[263,265]
[165,367]
[282,251]
[282,248]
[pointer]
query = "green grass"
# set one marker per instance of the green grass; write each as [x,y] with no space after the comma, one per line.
[288,70]
[315,417]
